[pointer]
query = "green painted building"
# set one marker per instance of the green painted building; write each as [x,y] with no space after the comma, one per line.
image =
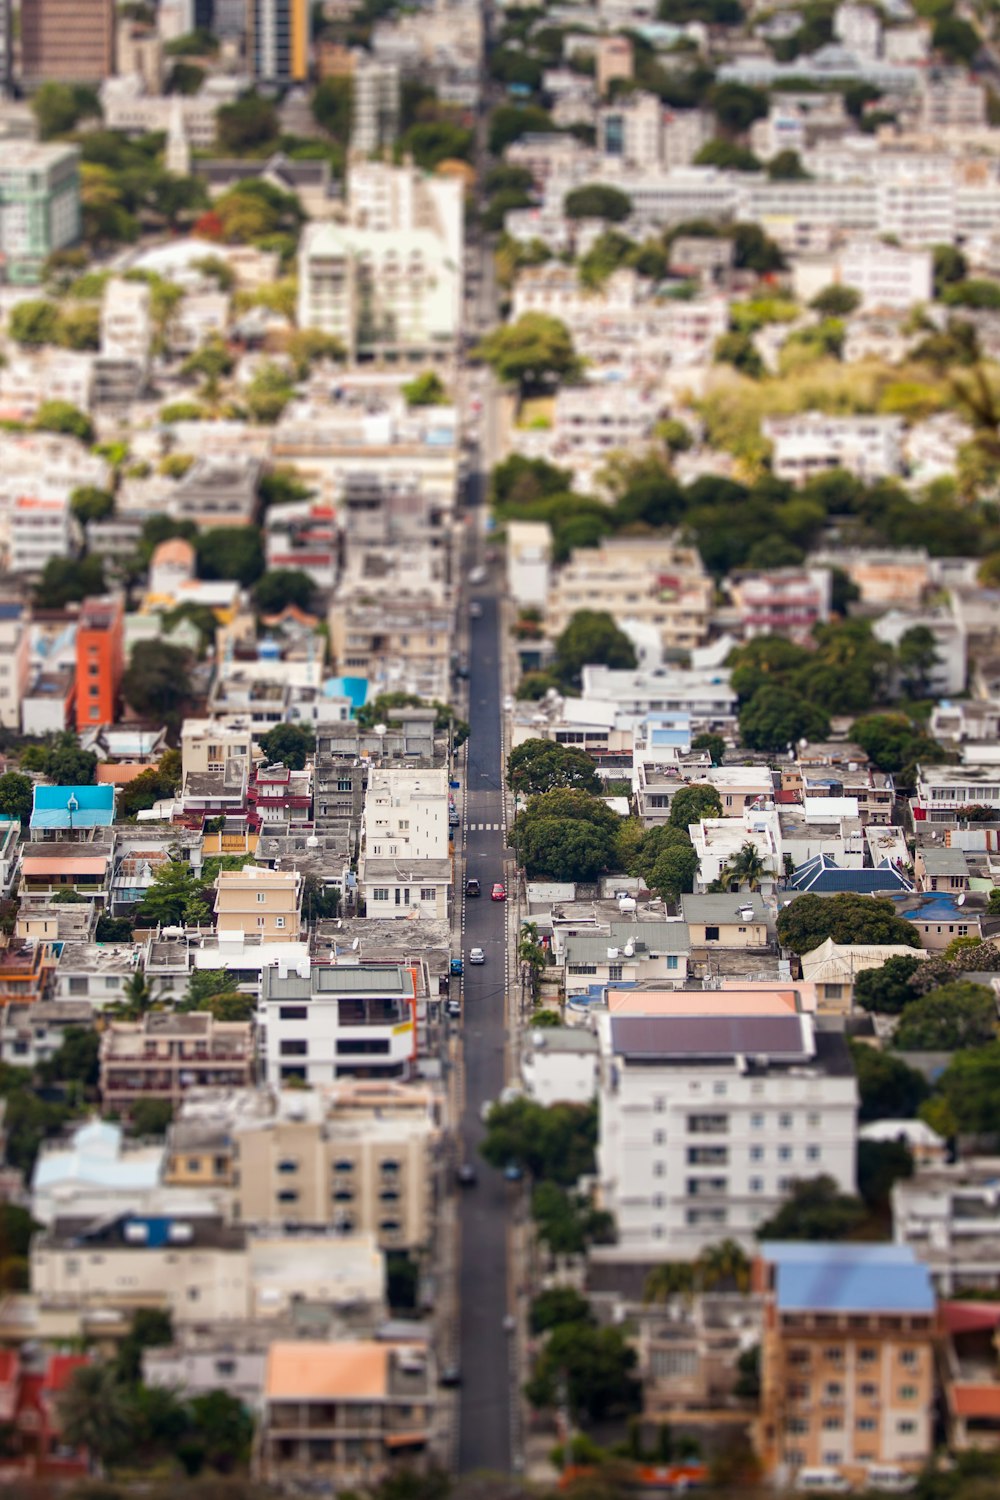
[39,206]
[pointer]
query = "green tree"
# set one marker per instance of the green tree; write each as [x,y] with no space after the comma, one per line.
[816,1210]
[887,990]
[276,590]
[917,655]
[880,1164]
[282,487]
[64,762]
[223,1429]
[950,265]
[150,1117]
[76,1061]
[151,1328]
[591,638]
[157,680]
[674,871]
[847,918]
[88,503]
[894,742]
[268,393]
[554,1144]
[541,765]
[836,301]
[63,417]
[34,323]
[562,849]
[16,796]
[427,389]
[715,744]
[292,744]
[956,39]
[597,200]
[593,1365]
[521,481]
[724,1266]
[951,1017]
[59,107]
[94,1414]
[971,1086]
[739,350]
[786,166]
[692,803]
[230,552]
[510,121]
[174,897]
[745,869]
[558,1305]
[727,156]
[736,106]
[652,844]
[534,350]
[332,103]
[888,1089]
[670,1279]
[247,125]
[566,1222]
[776,717]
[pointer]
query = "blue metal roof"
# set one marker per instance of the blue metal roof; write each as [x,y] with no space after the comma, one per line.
[940,907]
[73,807]
[823,876]
[848,1278]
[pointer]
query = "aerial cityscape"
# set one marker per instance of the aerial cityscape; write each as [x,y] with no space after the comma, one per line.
[499,749]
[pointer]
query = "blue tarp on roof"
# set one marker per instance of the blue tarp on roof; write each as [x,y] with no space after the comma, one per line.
[848,1278]
[355,689]
[73,807]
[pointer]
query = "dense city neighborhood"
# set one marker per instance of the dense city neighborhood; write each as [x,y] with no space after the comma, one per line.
[499,749]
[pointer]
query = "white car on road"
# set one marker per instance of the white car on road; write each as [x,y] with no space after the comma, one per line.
[477,956]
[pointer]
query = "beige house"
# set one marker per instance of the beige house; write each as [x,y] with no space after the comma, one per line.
[207,745]
[164,1054]
[725,921]
[941,869]
[833,968]
[646,581]
[259,902]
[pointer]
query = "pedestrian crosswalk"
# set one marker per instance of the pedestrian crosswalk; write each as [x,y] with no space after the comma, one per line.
[485,827]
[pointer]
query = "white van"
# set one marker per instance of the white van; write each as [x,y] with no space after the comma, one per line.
[890,1479]
[822,1482]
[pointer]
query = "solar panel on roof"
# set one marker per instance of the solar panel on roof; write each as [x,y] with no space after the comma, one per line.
[709,1036]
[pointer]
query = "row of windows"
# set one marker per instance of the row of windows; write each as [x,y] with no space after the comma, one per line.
[801,1354]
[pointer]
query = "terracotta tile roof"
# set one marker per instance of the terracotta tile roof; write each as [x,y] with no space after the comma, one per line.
[327,1372]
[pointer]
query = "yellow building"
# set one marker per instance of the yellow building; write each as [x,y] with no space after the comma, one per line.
[259,902]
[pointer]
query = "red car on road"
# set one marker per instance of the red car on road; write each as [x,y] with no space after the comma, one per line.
[498,893]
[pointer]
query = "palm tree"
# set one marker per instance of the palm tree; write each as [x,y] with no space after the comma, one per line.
[723,1265]
[744,869]
[94,1413]
[674,1278]
[138,996]
[531,955]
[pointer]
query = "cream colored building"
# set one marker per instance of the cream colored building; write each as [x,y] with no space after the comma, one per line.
[207,745]
[359,1156]
[647,581]
[166,1053]
[260,902]
[834,967]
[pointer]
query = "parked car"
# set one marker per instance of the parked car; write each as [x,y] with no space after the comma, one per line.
[472,887]
[498,893]
[457,966]
[477,956]
[475,610]
[454,1009]
[466,1175]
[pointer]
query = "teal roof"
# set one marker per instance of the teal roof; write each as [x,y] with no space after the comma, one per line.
[73,807]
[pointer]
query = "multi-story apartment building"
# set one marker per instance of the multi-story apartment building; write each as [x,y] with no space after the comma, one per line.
[389,280]
[860,30]
[40,528]
[304,536]
[709,1111]
[868,446]
[207,745]
[340,1021]
[66,42]
[15,661]
[405,865]
[359,1155]
[782,601]
[949,1216]
[847,1360]
[659,584]
[338,1415]
[632,129]
[278,40]
[375,104]
[260,903]
[941,790]
[164,1054]
[100,660]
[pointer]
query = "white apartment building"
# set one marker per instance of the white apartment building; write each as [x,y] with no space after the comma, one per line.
[869,447]
[631,130]
[529,559]
[952,100]
[375,103]
[655,583]
[390,278]
[29,379]
[941,790]
[209,745]
[950,1216]
[15,661]
[709,1109]
[885,276]
[126,324]
[859,29]
[405,868]
[704,694]
[39,529]
[328,1021]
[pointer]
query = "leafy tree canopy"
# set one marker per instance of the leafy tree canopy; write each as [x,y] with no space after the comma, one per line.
[230,552]
[954,1016]
[888,1089]
[692,803]
[541,765]
[157,681]
[597,201]
[276,590]
[591,638]
[532,350]
[847,918]
[816,1210]
[292,744]
[887,990]
[554,1144]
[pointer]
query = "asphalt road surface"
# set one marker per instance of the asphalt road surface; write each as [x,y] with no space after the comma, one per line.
[485,1405]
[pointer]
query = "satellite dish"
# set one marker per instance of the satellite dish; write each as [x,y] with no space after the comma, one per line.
[961,900]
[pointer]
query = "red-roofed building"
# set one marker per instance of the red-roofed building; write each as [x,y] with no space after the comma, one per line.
[970,1373]
[29,1404]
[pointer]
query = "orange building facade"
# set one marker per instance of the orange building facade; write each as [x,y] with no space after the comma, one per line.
[100,661]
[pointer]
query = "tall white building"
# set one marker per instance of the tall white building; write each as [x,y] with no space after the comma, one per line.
[389,280]
[812,442]
[405,867]
[328,1021]
[375,122]
[711,1104]
[631,130]
[860,30]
